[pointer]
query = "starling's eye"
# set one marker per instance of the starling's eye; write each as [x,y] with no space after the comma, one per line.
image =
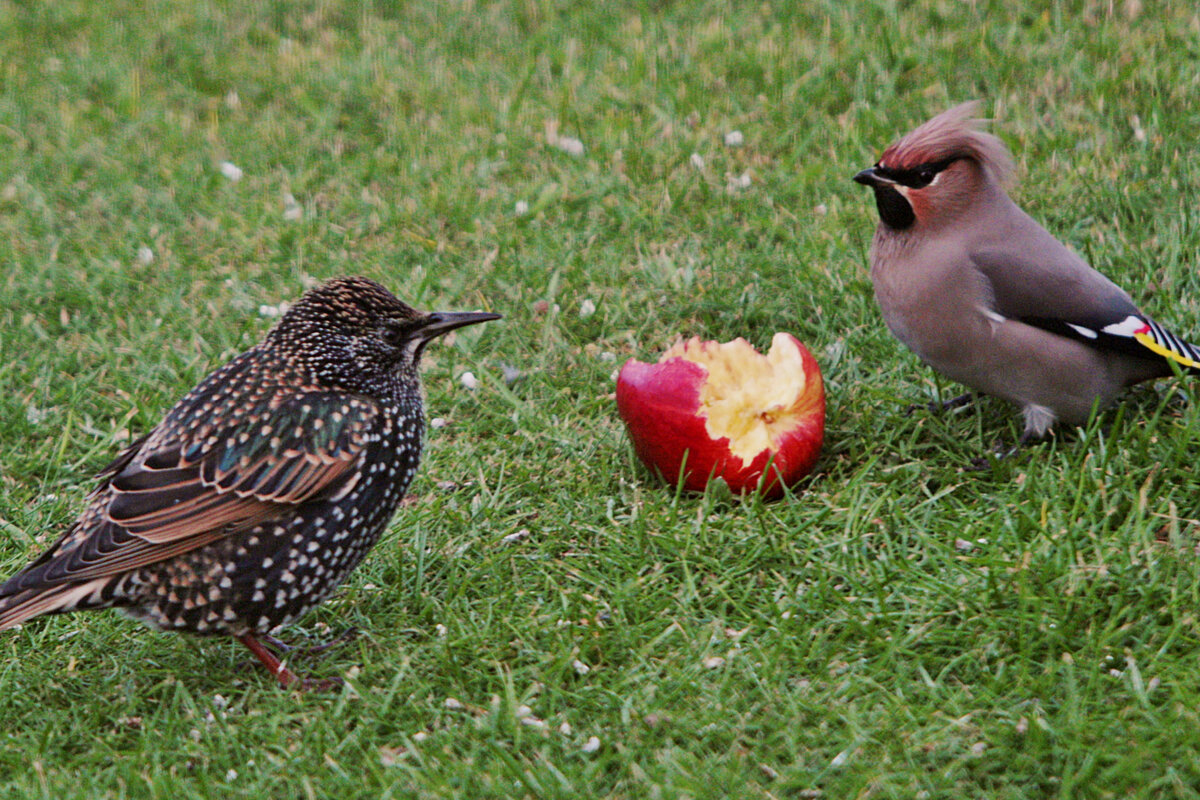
[395,333]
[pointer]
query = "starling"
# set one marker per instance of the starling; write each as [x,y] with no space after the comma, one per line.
[261,489]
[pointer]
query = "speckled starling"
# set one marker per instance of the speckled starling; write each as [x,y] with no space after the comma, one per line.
[261,489]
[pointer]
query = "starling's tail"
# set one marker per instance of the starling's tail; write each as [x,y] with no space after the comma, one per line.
[16,608]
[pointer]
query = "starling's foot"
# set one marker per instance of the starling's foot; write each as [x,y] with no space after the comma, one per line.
[311,650]
[945,405]
[287,679]
[317,684]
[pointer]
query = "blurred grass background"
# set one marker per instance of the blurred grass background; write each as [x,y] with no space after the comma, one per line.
[898,628]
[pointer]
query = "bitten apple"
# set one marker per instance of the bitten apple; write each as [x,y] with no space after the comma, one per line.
[726,411]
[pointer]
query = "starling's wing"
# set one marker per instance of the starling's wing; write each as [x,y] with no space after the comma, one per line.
[174,494]
[121,461]
[294,449]
[1057,292]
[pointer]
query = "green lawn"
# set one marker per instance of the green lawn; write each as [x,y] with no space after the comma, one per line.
[900,627]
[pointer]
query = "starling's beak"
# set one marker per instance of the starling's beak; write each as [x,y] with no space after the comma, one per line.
[869,177]
[439,322]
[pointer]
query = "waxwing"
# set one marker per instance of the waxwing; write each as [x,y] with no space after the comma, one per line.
[986,296]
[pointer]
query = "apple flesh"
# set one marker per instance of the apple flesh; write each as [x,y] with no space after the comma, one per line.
[707,410]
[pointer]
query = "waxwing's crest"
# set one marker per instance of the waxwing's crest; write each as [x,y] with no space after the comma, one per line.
[952,134]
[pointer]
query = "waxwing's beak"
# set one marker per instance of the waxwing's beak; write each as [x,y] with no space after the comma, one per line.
[871,177]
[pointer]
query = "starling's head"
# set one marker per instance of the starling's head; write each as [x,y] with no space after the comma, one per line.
[937,170]
[352,332]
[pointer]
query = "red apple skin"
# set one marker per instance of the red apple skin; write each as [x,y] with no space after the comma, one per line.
[660,405]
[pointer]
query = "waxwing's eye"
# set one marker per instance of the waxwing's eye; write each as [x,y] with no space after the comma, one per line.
[925,176]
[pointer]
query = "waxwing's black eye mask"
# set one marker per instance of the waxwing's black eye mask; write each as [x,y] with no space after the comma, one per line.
[917,177]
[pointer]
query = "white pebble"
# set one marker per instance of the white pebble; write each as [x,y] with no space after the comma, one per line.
[453,704]
[739,181]
[592,744]
[712,662]
[697,161]
[821,209]
[734,139]
[565,729]
[231,776]
[580,667]
[440,630]
[292,210]
[231,170]
[420,736]
[521,208]
[963,546]
[511,374]
[1139,133]
[268,311]
[438,422]
[587,308]
[469,380]
[145,255]
[516,537]
[569,145]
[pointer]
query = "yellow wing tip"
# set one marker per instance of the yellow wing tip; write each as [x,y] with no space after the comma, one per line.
[1148,342]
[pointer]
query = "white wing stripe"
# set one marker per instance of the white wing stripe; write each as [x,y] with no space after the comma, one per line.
[1082,331]
[1126,327]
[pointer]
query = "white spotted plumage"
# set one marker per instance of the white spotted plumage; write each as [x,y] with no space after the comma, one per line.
[263,487]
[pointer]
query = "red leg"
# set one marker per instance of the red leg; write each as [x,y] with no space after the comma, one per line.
[276,667]
[287,679]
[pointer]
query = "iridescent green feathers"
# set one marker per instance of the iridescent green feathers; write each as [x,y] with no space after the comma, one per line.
[186,486]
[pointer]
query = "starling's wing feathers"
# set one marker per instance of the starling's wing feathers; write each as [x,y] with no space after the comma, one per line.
[1059,293]
[178,496]
[295,449]
[107,551]
[31,603]
[123,460]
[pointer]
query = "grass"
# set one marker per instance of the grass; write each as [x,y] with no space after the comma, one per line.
[897,628]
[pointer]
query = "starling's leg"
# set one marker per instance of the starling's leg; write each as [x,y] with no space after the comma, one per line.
[276,667]
[287,679]
[311,650]
[945,405]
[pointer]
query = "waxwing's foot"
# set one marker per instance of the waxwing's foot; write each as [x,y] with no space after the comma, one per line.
[1001,452]
[944,405]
